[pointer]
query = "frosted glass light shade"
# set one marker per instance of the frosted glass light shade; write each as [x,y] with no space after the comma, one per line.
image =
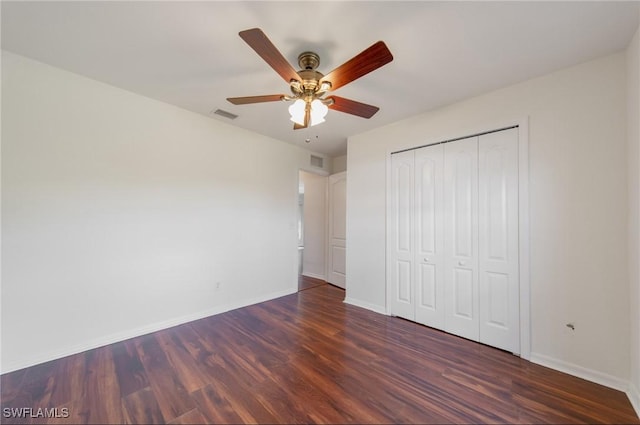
[318,112]
[297,111]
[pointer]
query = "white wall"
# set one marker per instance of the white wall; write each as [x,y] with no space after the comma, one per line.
[578,208]
[315,224]
[633,136]
[339,164]
[120,214]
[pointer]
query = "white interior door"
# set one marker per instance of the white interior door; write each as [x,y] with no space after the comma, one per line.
[337,229]
[498,238]
[461,237]
[429,252]
[401,293]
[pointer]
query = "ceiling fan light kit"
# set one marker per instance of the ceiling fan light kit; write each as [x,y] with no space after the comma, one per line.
[316,109]
[309,86]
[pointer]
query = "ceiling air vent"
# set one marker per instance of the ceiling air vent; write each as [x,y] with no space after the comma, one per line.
[225,114]
[317,161]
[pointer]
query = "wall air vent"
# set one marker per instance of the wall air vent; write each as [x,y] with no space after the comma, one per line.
[225,114]
[317,161]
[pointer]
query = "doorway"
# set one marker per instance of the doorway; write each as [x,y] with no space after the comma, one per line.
[312,229]
[321,229]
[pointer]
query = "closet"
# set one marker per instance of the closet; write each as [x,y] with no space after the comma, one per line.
[453,237]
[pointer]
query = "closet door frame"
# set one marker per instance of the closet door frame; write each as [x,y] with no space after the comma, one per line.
[523,213]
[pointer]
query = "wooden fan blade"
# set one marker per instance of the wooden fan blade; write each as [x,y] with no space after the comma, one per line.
[259,42]
[297,126]
[368,60]
[352,107]
[255,99]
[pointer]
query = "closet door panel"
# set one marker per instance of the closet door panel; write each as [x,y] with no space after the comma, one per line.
[402,236]
[498,236]
[429,257]
[494,288]
[463,291]
[461,237]
[403,277]
[427,298]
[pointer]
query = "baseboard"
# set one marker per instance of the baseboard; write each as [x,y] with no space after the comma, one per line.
[363,304]
[132,333]
[581,372]
[315,276]
[634,397]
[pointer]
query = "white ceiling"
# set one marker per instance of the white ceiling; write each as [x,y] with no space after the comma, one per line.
[189,53]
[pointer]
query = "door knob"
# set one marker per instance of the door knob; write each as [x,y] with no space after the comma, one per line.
[462,263]
[426,260]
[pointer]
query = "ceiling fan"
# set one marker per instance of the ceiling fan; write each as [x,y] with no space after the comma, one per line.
[309,86]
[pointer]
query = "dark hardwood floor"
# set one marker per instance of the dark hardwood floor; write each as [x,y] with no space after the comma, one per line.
[306,358]
[306,282]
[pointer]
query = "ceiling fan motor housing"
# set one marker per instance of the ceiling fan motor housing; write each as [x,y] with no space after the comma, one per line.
[310,78]
[308,60]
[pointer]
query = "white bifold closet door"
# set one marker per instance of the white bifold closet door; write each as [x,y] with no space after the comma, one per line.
[429,248]
[461,238]
[453,237]
[498,268]
[402,236]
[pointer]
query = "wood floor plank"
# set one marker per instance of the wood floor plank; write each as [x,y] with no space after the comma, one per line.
[306,282]
[307,358]
[170,394]
[129,369]
[181,361]
[311,375]
[141,407]
[285,404]
[11,384]
[61,416]
[234,351]
[260,350]
[38,383]
[69,379]
[243,400]
[215,407]
[100,400]
[192,417]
